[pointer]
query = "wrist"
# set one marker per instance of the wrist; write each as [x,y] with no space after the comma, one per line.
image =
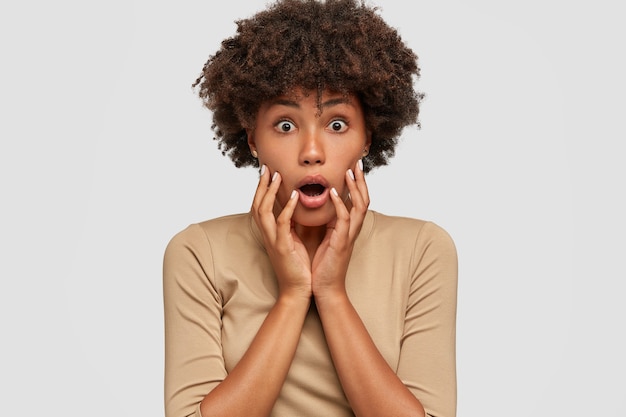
[331,296]
[294,298]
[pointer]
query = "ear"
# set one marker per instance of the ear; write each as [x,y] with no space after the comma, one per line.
[251,142]
[368,142]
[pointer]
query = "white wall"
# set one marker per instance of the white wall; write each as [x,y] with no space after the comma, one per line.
[106,152]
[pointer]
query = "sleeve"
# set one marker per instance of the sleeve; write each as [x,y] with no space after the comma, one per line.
[194,363]
[428,351]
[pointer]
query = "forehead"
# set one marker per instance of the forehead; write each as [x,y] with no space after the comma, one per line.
[299,98]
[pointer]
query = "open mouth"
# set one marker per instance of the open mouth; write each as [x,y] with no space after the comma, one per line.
[312,190]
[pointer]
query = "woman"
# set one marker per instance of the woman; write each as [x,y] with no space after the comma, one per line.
[311,304]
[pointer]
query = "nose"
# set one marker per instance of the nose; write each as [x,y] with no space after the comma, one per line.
[312,151]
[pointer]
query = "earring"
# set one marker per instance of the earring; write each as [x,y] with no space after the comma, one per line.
[255,154]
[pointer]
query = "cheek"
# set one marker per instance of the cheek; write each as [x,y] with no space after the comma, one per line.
[273,158]
[353,154]
[283,196]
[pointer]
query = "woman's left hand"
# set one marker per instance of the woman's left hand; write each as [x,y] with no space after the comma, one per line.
[330,263]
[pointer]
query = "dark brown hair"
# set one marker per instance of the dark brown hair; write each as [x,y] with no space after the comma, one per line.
[339,45]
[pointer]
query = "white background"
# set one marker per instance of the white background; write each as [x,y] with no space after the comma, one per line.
[106,153]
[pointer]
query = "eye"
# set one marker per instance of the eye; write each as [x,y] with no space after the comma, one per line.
[285,126]
[338,126]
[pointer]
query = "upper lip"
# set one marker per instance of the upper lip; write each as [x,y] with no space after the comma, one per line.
[313,179]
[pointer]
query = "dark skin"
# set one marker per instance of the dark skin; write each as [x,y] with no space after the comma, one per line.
[341,87]
[339,45]
[310,249]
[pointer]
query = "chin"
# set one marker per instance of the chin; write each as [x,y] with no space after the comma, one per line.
[314,218]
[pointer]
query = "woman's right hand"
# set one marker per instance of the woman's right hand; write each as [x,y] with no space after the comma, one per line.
[286,251]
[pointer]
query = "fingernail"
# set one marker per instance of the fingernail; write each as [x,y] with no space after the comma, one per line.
[294,193]
[360,164]
[351,174]
[332,190]
[262,169]
[274,176]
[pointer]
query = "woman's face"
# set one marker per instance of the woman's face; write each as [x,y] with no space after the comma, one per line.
[311,150]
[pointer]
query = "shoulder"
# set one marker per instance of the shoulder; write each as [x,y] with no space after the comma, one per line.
[430,250]
[408,228]
[225,223]
[211,227]
[200,235]
[422,240]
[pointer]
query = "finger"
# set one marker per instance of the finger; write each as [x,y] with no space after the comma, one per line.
[261,189]
[266,207]
[359,176]
[283,222]
[356,197]
[342,222]
[359,200]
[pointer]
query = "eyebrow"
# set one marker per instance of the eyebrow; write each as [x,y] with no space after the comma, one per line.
[336,101]
[326,104]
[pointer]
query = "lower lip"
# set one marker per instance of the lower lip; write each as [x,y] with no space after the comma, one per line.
[313,202]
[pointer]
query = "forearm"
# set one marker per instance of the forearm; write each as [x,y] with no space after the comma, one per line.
[371,386]
[252,387]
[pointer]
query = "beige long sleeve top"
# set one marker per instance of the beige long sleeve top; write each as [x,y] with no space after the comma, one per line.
[219,286]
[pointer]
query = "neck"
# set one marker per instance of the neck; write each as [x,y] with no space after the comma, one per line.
[311,237]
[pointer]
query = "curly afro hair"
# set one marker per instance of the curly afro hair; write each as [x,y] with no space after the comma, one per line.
[338,45]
